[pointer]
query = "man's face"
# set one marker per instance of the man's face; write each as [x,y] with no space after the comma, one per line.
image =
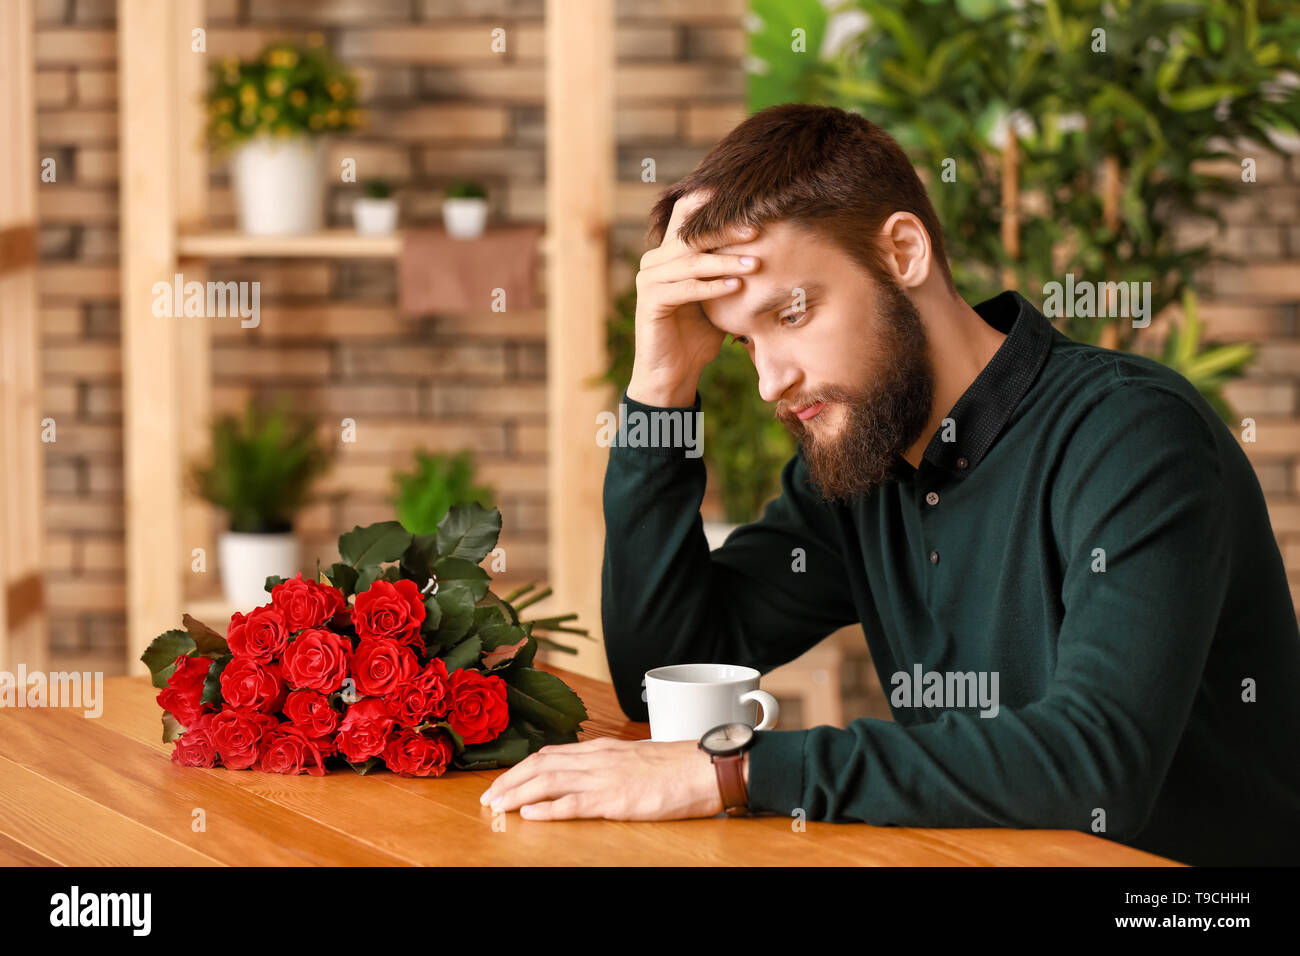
[846,363]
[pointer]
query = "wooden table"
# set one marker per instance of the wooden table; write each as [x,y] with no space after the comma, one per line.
[103,792]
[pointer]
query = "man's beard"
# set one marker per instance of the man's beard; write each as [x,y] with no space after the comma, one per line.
[883,420]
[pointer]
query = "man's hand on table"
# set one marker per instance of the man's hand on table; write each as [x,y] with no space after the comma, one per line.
[611,779]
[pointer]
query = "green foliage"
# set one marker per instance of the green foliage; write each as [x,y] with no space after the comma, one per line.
[945,77]
[466,189]
[377,189]
[286,90]
[744,443]
[424,496]
[262,467]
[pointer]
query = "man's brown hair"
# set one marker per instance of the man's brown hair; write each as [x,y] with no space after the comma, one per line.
[822,168]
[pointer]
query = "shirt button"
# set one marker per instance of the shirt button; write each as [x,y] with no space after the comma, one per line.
[934,557]
[932,498]
[962,463]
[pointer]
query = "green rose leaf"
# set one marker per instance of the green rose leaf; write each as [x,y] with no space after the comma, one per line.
[272,581]
[212,683]
[463,654]
[364,768]
[469,532]
[208,642]
[457,606]
[344,577]
[451,571]
[160,656]
[544,699]
[374,544]
[505,751]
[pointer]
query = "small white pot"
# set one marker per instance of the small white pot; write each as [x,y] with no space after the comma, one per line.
[464,218]
[279,187]
[715,532]
[247,560]
[374,217]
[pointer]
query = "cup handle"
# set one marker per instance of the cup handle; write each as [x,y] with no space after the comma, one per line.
[771,709]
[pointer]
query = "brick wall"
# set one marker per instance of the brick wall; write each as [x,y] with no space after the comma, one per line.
[330,337]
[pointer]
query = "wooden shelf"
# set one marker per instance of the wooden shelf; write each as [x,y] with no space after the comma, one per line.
[329,243]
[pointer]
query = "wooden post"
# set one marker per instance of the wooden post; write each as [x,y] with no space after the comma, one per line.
[579,205]
[1011,203]
[155,562]
[193,335]
[22,526]
[1110,190]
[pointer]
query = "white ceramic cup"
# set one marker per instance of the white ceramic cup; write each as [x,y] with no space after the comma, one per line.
[685,700]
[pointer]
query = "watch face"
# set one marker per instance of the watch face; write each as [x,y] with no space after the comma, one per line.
[727,738]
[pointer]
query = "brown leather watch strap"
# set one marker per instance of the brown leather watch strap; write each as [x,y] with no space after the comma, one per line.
[731,783]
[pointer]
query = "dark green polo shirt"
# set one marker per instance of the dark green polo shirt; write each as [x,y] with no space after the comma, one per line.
[1093,535]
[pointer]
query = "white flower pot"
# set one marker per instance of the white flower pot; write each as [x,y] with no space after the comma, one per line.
[374,217]
[247,560]
[279,185]
[464,218]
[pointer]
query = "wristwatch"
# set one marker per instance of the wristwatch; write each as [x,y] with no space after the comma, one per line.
[726,745]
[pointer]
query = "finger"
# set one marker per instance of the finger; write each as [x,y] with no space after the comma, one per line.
[548,785]
[702,265]
[571,806]
[672,294]
[541,760]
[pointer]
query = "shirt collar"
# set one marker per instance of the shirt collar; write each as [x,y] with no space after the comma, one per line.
[983,409]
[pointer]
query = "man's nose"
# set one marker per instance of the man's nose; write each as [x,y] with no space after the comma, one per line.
[775,377]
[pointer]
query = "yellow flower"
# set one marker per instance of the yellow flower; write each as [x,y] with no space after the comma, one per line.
[332,117]
[282,130]
[298,97]
[274,86]
[315,121]
[248,95]
[282,57]
[225,104]
[337,90]
[268,113]
[355,117]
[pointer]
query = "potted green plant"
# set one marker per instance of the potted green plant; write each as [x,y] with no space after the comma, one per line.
[423,497]
[262,468]
[269,115]
[375,213]
[464,209]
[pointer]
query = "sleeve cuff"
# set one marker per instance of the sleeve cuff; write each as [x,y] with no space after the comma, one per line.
[776,771]
[650,433]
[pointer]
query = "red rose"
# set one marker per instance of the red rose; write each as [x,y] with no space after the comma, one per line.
[262,634]
[427,694]
[364,730]
[391,610]
[312,712]
[195,748]
[418,755]
[379,666]
[289,749]
[478,706]
[317,660]
[248,683]
[183,695]
[306,603]
[237,735]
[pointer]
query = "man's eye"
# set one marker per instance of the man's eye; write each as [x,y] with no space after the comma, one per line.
[739,340]
[797,316]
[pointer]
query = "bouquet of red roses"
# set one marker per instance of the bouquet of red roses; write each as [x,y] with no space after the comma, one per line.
[425,669]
